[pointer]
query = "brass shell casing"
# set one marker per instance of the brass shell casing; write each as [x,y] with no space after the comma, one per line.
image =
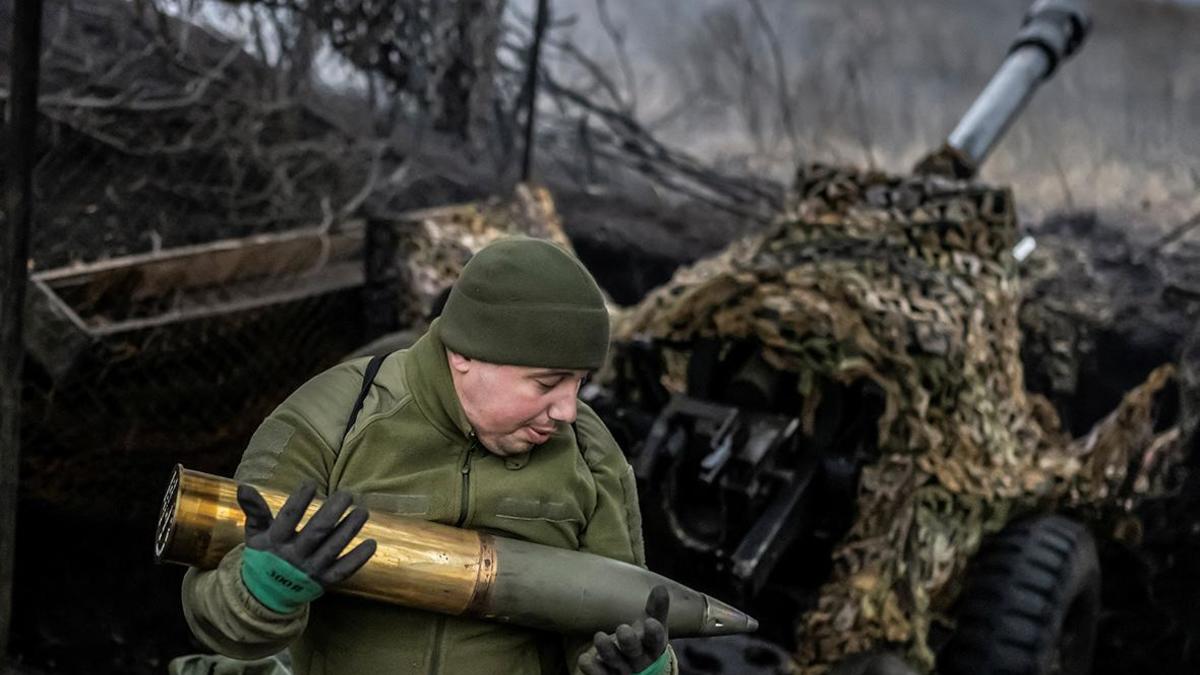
[416,563]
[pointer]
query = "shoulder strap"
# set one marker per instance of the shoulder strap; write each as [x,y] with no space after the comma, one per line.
[368,377]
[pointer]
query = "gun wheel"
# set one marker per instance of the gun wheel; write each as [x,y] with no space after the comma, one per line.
[1031,604]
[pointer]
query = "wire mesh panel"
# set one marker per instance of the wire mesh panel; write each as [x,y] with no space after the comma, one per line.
[159,135]
[143,361]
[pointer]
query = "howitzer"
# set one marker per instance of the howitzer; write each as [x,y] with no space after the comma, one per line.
[736,481]
[450,570]
[829,416]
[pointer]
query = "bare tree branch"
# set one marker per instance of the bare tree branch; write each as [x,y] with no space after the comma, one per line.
[782,94]
[617,37]
[627,142]
[1175,234]
[124,100]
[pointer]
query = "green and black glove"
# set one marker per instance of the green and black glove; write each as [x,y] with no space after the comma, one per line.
[637,649]
[284,568]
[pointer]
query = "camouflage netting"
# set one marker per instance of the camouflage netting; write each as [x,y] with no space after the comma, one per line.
[437,242]
[908,283]
[434,244]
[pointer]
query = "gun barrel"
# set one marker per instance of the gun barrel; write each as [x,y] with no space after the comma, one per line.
[1053,30]
[450,570]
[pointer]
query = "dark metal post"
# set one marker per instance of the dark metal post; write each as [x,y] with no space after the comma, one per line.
[14,253]
[382,277]
[535,55]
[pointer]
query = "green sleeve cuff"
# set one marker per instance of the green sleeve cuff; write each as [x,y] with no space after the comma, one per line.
[276,583]
[660,665]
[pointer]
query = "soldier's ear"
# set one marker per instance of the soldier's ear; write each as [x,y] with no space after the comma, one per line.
[458,363]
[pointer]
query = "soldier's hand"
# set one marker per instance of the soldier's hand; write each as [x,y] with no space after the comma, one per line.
[632,648]
[284,567]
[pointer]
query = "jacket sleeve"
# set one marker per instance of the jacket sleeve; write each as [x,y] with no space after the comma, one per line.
[295,443]
[224,616]
[615,528]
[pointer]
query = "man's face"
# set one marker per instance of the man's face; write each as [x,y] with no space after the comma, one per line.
[513,408]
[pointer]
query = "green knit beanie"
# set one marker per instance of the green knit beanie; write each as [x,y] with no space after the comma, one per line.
[526,302]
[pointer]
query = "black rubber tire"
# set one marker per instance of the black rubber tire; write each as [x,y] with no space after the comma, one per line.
[1031,604]
[730,655]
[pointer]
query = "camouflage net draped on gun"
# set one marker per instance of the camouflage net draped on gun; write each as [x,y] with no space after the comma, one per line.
[907,283]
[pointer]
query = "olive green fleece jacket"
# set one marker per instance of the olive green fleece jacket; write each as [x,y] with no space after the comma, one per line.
[411,452]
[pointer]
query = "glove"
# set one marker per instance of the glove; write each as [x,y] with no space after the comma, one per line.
[284,568]
[640,649]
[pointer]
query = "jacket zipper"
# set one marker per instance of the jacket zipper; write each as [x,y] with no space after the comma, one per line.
[466,483]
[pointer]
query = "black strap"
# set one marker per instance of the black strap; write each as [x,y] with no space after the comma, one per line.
[368,378]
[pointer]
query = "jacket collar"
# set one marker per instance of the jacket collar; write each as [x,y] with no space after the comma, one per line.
[433,389]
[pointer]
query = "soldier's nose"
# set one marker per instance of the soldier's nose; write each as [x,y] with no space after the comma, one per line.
[563,409]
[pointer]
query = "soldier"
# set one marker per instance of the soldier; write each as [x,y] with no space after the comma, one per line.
[477,425]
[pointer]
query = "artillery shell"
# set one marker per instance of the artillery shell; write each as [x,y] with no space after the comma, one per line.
[450,570]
